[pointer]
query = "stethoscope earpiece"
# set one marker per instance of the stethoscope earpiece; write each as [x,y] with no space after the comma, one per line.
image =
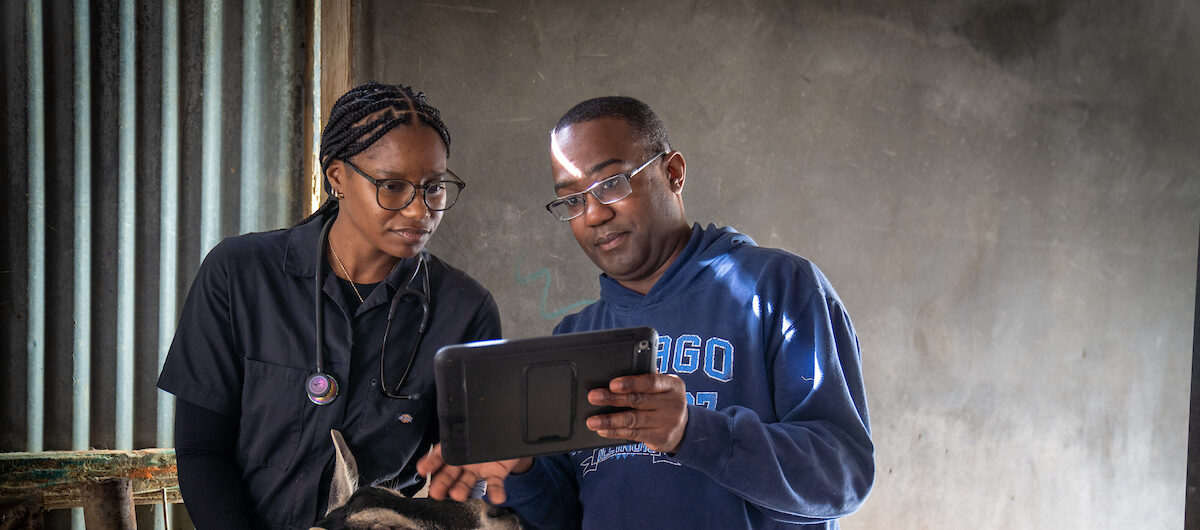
[321,388]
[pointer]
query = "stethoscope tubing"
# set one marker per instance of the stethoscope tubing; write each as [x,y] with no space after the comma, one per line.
[423,299]
[325,390]
[317,284]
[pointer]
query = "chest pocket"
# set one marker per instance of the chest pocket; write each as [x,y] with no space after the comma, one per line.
[273,402]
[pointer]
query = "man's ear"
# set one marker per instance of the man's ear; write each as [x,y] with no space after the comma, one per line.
[676,171]
[345,473]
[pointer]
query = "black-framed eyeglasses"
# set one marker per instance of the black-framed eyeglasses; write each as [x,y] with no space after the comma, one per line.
[607,191]
[396,194]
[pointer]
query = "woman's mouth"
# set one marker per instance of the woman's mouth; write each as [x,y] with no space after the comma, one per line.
[411,235]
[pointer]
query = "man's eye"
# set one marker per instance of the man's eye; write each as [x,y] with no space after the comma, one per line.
[437,187]
[574,200]
[610,182]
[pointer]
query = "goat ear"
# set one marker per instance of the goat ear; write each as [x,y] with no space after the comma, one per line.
[345,473]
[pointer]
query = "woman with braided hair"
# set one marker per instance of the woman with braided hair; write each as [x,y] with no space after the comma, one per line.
[330,324]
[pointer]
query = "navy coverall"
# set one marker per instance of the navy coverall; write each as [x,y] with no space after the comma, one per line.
[246,344]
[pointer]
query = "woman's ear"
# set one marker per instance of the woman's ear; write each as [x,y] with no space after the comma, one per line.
[333,175]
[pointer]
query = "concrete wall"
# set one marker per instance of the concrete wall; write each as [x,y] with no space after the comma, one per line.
[1006,195]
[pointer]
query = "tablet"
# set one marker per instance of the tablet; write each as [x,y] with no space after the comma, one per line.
[507,399]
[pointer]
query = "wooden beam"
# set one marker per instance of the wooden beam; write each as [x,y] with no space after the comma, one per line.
[332,62]
[335,53]
[59,476]
[108,505]
[22,513]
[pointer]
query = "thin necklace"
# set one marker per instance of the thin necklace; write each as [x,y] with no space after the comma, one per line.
[347,273]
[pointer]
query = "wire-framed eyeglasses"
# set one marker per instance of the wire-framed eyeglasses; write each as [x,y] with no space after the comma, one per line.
[396,194]
[607,191]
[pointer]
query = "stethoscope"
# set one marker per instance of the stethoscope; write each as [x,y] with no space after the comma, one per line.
[321,387]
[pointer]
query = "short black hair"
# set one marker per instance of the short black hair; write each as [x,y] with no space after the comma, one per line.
[641,119]
[362,116]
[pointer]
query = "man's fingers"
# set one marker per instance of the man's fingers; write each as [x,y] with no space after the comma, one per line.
[656,410]
[618,434]
[647,383]
[656,440]
[626,419]
[604,398]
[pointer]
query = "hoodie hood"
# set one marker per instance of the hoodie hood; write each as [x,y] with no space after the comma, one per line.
[703,245]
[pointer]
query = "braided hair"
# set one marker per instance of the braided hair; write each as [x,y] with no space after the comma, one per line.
[645,125]
[365,114]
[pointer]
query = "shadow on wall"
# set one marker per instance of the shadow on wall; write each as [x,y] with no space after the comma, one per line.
[1009,32]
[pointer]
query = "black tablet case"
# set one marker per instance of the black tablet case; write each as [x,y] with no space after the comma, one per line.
[513,398]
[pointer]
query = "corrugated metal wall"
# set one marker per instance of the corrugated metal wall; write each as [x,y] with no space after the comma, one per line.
[136,135]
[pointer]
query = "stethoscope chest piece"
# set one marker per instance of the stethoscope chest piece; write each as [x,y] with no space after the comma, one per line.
[322,388]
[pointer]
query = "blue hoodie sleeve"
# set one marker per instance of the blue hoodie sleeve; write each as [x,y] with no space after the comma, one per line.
[817,462]
[546,496]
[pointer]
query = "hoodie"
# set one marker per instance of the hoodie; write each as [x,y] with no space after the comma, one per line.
[777,432]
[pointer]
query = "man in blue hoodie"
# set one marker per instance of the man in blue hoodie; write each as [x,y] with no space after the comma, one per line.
[757,417]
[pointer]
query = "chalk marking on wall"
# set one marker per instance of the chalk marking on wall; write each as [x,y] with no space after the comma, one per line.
[544,273]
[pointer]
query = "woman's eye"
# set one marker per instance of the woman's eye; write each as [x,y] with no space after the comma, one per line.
[392,186]
[436,187]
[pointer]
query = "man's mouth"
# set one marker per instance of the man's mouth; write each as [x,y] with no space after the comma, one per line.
[608,241]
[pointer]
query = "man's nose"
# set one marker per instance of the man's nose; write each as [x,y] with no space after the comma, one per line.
[595,212]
